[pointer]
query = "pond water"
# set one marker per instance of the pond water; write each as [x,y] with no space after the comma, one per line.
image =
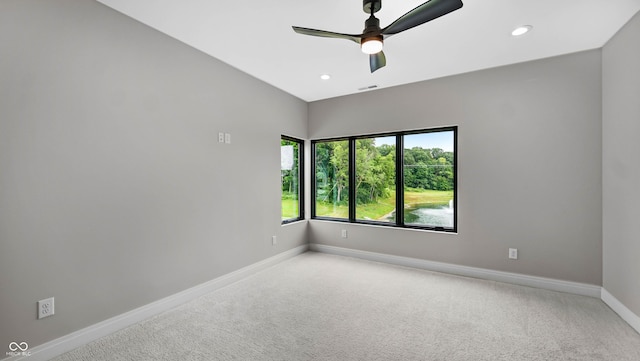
[441,216]
[427,214]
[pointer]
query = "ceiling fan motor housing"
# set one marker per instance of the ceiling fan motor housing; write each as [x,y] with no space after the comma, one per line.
[371,27]
[367,4]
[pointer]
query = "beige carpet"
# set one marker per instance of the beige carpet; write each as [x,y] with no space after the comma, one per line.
[325,307]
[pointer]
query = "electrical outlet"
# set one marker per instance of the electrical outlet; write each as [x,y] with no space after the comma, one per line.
[220,137]
[513,253]
[344,233]
[274,240]
[227,138]
[45,308]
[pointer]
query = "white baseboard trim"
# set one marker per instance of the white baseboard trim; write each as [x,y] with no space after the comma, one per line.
[487,274]
[81,337]
[626,314]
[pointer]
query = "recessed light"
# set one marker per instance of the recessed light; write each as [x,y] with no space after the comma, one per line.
[521,30]
[325,76]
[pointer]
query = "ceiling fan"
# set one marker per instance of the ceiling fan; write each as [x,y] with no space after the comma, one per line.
[373,36]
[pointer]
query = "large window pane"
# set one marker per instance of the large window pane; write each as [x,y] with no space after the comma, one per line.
[429,179]
[375,179]
[332,179]
[403,179]
[291,178]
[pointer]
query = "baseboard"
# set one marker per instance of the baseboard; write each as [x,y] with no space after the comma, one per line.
[507,277]
[626,314]
[76,339]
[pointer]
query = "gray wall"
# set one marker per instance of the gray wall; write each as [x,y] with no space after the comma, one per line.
[621,165]
[113,189]
[529,165]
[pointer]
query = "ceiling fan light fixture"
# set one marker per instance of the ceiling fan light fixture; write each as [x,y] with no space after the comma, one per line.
[372,45]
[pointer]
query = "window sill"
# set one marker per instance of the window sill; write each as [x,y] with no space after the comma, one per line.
[383,226]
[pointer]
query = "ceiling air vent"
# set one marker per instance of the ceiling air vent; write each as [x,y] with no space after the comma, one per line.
[368,87]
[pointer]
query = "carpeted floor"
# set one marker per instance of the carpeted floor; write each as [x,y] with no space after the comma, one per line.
[325,307]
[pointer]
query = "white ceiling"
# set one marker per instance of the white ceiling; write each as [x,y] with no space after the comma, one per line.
[255,36]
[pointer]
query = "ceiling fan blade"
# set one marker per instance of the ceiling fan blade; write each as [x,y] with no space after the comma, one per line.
[426,12]
[377,61]
[326,34]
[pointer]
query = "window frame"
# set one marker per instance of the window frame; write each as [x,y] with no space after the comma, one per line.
[313,178]
[399,179]
[301,172]
[354,155]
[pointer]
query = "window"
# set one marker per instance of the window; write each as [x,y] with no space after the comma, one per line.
[291,170]
[331,175]
[404,179]
[375,179]
[429,182]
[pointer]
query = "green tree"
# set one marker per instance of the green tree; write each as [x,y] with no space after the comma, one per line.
[375,170]
[429,169]
[340,161]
